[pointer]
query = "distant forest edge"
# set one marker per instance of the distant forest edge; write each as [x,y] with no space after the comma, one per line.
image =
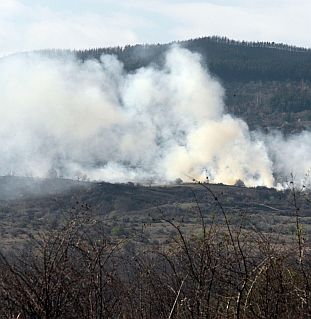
[267,84]
[230,60]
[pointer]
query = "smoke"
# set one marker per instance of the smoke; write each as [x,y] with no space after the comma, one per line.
[291,156]
[156,124]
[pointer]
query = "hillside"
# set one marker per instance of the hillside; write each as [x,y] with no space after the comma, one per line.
[125,245]
[267,84]
[126,209]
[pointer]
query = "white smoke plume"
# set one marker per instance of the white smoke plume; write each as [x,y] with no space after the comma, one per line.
[159,124]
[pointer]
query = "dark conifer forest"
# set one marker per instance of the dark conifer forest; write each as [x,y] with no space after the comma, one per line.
[267,84]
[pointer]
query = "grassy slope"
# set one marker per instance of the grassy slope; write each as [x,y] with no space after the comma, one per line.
[126,209]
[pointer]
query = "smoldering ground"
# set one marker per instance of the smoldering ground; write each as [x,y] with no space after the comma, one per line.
[94,118]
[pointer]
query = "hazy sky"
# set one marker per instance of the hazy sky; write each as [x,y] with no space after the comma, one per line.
[37,24]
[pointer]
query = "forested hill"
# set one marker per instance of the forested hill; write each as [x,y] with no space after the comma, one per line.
[228,59]
[267,84]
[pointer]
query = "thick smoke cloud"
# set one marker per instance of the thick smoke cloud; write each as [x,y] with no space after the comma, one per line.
[159,124]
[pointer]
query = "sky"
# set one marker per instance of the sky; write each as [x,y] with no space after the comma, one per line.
[77,24]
